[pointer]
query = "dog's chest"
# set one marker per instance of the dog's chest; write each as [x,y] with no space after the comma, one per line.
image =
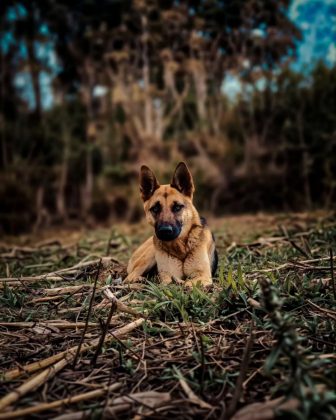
[172,256]
[169,264]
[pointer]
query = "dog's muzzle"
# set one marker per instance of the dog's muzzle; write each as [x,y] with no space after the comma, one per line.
[167,232]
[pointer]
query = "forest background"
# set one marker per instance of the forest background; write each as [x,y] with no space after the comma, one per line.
[89,91]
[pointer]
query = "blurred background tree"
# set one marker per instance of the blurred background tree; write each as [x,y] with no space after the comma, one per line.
[91,90]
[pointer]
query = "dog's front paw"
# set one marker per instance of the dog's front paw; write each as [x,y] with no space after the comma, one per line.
[198,282]
[167,278]
[134,278]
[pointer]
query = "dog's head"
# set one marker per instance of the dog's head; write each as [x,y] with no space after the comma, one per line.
[168,208]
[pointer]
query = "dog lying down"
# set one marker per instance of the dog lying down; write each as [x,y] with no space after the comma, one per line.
[182,248]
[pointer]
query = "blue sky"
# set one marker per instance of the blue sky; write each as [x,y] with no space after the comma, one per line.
[317,21]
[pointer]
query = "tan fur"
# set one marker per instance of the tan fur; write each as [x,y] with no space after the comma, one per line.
[186,259]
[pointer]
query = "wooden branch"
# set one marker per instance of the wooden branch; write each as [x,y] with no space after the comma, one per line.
[35,382]
[291,264]
[60,403]
[62,325]
[33,367]
[88,314]
[120,306]
[53,298]
[64,290]
[332,272]
[150,400]
[329,312]
[242,374]
[176,108]
[190,393]
[58,275]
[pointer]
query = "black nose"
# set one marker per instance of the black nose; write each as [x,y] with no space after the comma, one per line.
[167,231]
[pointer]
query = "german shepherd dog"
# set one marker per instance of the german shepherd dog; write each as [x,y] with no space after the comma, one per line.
[182,249]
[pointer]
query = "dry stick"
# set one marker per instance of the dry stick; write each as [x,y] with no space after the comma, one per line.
[202,362]
[286,265]
[57,275]
[332,272]
[298,248]
[55,404]
[103,260]
[32,279]
[190,393]
[33,367]
[33,383]
[88,315]
[109,378]
[242,373]
[54,298]
[329,312]
[102,337]
[59,291]
[62,325]
[124,346]
[254,303]
[36,381]
[120,306]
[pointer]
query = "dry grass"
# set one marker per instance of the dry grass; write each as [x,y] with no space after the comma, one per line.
[74,348]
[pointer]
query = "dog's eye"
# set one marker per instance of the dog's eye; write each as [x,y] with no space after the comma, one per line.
[156,209]
[177,207]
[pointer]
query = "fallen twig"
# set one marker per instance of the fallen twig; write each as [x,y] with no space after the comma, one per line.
[242,373]
[88,315]
[59,274]
[120,306]
[332,272]
[104,332]
[60,403]
[328,312]
[190,393]
[67,357]
[62,325]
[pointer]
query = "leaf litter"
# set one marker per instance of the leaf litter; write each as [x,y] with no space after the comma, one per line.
[78,343]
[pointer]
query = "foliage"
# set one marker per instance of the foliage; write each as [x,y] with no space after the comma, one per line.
[136,81]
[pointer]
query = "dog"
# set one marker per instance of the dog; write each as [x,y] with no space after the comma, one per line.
[182,250]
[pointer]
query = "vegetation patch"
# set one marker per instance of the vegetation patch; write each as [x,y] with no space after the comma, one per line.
[78,343]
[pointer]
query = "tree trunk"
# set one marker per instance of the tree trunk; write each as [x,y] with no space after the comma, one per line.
[42,214]
[35,75]
[146,79]
[63,176]
[87,188]
[305,162]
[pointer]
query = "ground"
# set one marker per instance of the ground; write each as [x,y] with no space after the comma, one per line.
[76,343]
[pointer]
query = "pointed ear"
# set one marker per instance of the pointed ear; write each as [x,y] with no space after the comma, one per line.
[148,183]
[182,180]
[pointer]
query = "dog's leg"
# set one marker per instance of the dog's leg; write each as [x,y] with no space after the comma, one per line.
[201,279]
[141,262]
[165,277]
[170,269]
[197,268]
